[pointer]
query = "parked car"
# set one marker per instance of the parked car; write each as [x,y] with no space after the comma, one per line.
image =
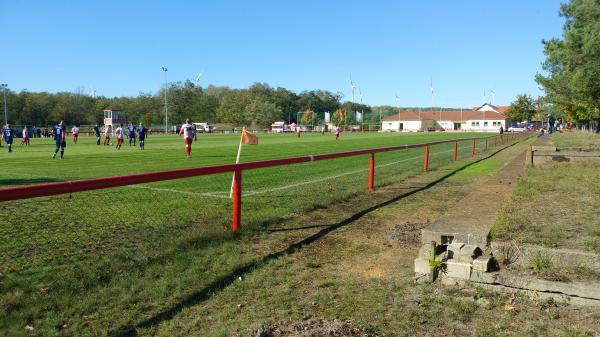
[515,128]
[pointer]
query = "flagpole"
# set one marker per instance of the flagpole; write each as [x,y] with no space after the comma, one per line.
[237,161]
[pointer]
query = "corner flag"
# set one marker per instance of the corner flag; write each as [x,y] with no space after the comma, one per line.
[249,138]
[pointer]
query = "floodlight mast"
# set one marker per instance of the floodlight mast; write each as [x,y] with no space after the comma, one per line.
[166,106]
[4,86]
[352,86]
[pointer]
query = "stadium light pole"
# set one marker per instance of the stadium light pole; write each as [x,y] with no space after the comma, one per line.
[166,108]
[4,86]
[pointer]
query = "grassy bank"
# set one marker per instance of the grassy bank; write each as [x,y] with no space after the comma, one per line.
[577,140]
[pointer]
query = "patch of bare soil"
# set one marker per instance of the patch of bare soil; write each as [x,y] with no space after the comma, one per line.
[309,328]
[409,232]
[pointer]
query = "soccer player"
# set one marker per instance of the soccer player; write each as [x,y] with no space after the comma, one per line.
[97,133]
[131,133]
[337,133]
[59,138]
[25,139]
[75,132]
[141,131]
[107,135]
[188,137]
[119,133]
[8,134]
[298,131]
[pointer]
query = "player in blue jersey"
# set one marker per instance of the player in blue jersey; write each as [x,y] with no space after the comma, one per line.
[131,133]
[8,133]
[59,131]
[141,131]
[97,134]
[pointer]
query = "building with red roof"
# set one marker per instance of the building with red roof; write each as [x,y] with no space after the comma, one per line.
[487,118]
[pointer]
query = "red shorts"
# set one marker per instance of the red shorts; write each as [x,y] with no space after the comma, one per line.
[188,141]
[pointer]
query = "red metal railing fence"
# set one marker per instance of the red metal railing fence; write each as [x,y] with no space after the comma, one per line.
[39,190]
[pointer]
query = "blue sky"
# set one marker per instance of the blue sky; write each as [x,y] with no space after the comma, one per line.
[389,47]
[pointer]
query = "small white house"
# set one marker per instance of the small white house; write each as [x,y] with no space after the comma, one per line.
[279,127]
[486,118]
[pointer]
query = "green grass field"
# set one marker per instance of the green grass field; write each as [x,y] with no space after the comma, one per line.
[92,263]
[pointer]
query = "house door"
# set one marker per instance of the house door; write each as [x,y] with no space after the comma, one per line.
[456,126]
[401,127]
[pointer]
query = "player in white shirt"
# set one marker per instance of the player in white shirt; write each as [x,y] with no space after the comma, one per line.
[187,130]
[119,133]
[75,132]
[107,135]
[25,139]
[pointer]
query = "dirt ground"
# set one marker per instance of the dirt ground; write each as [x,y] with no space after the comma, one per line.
[311,327]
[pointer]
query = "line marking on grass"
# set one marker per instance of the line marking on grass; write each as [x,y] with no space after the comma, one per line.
[224,194]
[217,194]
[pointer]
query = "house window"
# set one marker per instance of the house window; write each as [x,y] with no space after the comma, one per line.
[485,123]
[389,124]
[476,123]
[472,123]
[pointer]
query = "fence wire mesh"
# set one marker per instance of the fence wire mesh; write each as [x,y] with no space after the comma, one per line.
[132,248]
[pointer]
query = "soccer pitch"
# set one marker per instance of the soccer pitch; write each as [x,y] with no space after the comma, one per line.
[31,164]
[118,254]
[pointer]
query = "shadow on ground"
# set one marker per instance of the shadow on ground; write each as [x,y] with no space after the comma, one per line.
[29,181]
[223,282]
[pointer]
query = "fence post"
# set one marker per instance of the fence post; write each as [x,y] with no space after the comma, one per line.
[494,141]
[531,151]
[455,150]
[372,171]
[487,139]
[237,201]
[473,148]
[426,159]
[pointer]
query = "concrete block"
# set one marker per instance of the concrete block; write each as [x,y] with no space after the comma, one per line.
[425,252]
[454,249]
[483,264]
[422,266]
[458,270]
[545,148]
[468,253]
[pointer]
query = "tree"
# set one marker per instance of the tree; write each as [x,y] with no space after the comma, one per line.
[339,117]
[572,65]
[232,107]
[522,109]
[308,117]
[318,100]
[261,113]
[287,101]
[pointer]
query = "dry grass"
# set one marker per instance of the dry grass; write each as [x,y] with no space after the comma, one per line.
[555,206]
[577,140]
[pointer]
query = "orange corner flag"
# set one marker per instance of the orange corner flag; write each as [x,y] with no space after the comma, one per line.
[249,138]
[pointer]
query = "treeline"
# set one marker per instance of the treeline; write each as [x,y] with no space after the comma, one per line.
[259,106]
[572,66]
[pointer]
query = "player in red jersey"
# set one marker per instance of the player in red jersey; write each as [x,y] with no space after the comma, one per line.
[75,132]
[119,133]
[187,130]
[107,132]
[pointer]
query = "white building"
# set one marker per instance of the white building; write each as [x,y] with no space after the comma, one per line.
[486,118]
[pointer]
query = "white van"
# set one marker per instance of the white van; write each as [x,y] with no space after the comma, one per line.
[204,127]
